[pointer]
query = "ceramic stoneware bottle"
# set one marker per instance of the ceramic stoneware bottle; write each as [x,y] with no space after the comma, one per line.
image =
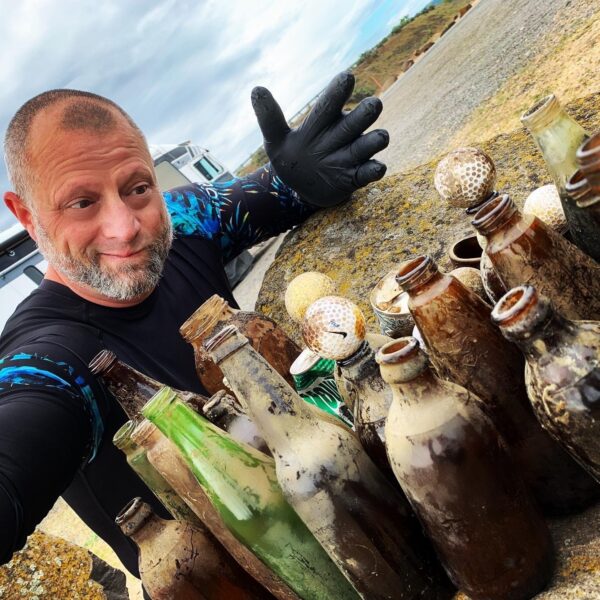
[563,364]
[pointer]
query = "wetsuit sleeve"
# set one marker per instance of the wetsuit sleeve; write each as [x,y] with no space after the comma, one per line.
[239,213]
[50,425]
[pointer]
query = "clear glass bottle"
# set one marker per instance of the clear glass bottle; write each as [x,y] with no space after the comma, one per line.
[138,461]
[558,136]
[242,484]
[524,250]
[465,347]
[165,457]
[133,389]
[180,561]
[563,363]
[352,509]
[265,335]
[458,474]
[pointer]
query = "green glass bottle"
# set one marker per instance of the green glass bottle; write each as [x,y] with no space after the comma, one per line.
[138,461]
[241,483]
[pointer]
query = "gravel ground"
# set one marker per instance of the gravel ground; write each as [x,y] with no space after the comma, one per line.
[431,101]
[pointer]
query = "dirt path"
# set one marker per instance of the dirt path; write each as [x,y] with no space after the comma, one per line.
[427,106]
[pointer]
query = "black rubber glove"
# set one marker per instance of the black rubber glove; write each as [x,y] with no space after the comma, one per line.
[326,158]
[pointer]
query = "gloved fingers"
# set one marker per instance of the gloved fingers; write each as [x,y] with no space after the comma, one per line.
[270,117]
[329,105]
[366,145]
[352,124]
[370,171]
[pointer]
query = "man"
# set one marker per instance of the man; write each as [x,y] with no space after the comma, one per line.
[126,267]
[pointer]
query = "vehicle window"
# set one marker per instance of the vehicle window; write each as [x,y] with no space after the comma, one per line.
[207,168]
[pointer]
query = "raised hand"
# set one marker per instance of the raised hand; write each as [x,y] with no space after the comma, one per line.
[328,156]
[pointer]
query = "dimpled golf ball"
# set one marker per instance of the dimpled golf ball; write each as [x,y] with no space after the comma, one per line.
[333,327]
[545,204]
[303,290]
[465,177]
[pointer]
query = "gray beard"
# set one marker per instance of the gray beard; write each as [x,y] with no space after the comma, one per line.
[129,282]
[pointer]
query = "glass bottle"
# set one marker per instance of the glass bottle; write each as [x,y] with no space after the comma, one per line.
[165,457]
[465,347]
[524,250]
[264,334]
[133,389]
[242,485]
[557,135]
[563,364]
[138,461]
[457,472]
[180,561]
[356,514]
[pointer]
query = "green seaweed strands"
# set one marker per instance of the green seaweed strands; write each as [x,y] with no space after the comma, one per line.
[242,484]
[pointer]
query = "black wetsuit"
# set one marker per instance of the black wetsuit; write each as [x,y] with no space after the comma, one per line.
[56,420]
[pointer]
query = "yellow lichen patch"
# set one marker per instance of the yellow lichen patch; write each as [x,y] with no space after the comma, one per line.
[49,568]
[580,564]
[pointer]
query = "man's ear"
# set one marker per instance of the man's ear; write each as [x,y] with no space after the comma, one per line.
[17,207]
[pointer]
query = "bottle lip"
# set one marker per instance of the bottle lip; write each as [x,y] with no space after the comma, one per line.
[474,209]
[519,312]
[158,403]
[415,272]
[102,362]
[122,437]
[133,516]
[494,213]
[142,431]
[588,155]
[401,360]
[203,319]
[542,113]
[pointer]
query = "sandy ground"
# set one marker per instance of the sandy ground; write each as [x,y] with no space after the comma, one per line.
[471,85]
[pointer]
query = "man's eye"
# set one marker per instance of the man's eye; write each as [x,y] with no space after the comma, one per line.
[83,203]
[140,189]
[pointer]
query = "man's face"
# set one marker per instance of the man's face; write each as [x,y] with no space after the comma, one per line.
[97,213]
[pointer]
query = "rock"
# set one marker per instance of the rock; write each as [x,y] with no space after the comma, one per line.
[464,10]
[358,243]
[48,568]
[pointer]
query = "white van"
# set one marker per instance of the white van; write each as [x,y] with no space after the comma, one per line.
[22,267]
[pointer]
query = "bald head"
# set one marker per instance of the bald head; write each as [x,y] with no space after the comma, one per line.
[69,110]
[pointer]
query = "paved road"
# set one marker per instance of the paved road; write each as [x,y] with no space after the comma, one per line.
[427,105]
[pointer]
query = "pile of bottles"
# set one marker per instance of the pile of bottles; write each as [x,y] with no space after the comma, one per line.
[401,468]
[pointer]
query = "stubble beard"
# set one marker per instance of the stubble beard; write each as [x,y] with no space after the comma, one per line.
[127,282]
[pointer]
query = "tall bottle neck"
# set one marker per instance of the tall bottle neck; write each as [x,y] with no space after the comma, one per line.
[528,319]
[496,215]
[416,275]
[557,135]
[360,365]
[204,319]
[138,521]
[276,409]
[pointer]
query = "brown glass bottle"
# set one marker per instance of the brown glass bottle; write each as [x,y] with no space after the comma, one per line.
[164,456]
[267,338]
[133,389]
[180,561]
[457,472]
[563,364]
[466,348]
[524,250]
[354,512]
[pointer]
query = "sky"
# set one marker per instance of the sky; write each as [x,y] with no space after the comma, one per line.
[184,69]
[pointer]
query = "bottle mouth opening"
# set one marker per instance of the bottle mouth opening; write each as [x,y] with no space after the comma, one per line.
[397,351]
[538,108]
[415,270]
[513,303]
[203,318]
[473,209]
[123,435]
[492,213]
[133,515]
[142,431]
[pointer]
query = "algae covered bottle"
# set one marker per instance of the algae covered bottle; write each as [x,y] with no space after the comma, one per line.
[526,251]
[558,136]
[181,561]
[465,347]
[356,514]
[563,363]
[457,472]
[242,484]
[265,335]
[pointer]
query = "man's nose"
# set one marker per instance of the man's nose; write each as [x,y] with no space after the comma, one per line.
[120,221]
